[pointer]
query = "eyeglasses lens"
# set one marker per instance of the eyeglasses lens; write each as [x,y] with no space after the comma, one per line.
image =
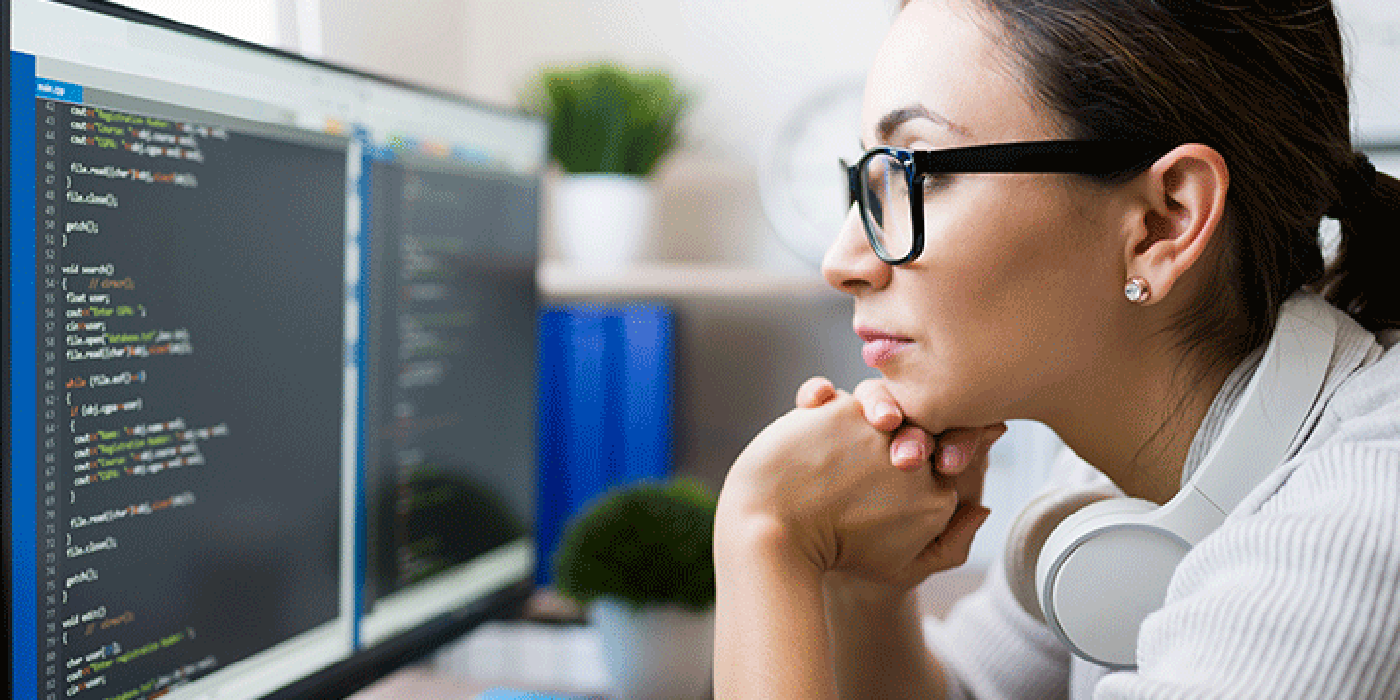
[884,195]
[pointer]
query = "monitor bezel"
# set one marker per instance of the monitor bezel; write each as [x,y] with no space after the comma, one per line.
[366,665]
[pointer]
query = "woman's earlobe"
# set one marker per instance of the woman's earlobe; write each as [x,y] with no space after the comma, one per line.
[1184,210]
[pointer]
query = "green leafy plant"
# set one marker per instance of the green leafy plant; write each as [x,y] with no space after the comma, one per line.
[646,543]
[604,118]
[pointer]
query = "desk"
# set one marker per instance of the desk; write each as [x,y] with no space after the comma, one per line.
[565,659]
[552,651]
[420,682]
[417,682]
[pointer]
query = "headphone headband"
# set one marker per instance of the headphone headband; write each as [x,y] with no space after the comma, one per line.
[1105,568]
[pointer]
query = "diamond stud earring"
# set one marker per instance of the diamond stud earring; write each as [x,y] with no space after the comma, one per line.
[1136,290]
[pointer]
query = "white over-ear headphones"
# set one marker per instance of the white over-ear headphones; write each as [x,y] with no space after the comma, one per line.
[1107,566]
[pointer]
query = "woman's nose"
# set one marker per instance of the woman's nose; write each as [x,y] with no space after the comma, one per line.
[850,265]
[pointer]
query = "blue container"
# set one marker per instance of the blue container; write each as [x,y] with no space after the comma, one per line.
[605,411]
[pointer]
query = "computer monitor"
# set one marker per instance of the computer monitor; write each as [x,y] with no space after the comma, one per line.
[269,366]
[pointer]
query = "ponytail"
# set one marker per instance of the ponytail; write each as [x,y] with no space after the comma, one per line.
[1362,279]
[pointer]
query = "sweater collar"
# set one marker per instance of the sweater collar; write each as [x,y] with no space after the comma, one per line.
[1353,348]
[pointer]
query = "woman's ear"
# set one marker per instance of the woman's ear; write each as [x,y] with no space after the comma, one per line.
[1184,194]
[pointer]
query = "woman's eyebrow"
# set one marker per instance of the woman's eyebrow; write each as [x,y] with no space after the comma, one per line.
[893,119]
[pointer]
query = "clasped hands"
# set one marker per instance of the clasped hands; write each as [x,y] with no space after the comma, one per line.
[844,484]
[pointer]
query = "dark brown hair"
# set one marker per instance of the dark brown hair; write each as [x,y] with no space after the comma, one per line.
[1264,83]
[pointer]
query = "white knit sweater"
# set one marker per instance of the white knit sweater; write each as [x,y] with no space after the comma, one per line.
[1297,595]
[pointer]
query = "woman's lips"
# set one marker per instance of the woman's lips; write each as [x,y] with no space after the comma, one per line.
[880,347]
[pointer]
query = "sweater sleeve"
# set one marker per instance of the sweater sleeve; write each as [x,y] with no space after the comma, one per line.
[989,646]
[1298,598]
[991,649]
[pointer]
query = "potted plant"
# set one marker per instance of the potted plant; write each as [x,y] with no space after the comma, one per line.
[609,127]
[640,559]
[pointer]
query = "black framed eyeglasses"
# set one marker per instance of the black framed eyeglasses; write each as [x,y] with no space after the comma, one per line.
[882,179]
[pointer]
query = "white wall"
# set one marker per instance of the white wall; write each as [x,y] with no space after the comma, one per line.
[422,41]
[748,63]
[250,20]
[1372,31]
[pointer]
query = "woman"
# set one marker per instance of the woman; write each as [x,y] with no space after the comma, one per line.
[1121,291]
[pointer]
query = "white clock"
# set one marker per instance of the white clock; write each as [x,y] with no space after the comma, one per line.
[802,185]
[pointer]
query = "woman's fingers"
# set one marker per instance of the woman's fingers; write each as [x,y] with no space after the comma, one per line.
[956,448]
[951,548]
[960,447]
[959,458]
[911,447]
[815,392]
[879,405]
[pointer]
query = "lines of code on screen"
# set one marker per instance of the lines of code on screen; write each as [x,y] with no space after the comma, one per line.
[191,318]
[450,387]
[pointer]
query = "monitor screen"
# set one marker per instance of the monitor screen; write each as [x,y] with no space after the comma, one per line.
[269,362]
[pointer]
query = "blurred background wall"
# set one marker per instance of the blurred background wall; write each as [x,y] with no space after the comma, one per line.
[749,65]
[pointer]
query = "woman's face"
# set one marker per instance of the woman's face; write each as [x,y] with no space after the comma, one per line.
[1018,291]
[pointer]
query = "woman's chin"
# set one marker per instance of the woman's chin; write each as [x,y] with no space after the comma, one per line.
[919,408]
[937,413]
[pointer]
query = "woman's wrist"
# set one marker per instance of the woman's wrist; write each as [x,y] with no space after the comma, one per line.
[851,592]
[755,543]
[770,624]
[741,541]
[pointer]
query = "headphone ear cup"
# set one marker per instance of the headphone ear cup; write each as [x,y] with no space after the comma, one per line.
[1102,572]
[1029,533]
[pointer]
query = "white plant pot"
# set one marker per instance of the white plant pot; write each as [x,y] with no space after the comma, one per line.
[602,220]
[658,652]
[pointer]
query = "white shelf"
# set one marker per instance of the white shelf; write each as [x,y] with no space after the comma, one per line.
[679,281]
